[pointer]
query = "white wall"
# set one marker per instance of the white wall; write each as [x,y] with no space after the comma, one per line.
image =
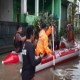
[23,6]
[6,10]
[79,7]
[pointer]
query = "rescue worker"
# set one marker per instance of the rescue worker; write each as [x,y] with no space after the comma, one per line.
[49,31]
[42,45]
[29,61]
[49,34]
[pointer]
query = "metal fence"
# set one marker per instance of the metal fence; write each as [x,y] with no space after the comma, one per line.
[7,31]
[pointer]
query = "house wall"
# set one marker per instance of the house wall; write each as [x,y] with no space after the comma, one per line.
[47,7]
[31,5]
[16,10]
[6,10]
[56,9]
[79,7]
[63,15]
[57,13]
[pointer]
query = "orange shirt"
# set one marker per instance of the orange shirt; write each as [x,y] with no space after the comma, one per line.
[42,45]
[49,31]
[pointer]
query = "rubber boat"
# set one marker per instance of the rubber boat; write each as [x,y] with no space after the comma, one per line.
[59,56]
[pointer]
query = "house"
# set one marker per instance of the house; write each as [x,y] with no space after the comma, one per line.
[25,11]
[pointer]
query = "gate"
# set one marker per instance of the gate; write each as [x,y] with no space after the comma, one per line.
[7,31]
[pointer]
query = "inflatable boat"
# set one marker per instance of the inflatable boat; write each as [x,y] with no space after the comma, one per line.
[59,56]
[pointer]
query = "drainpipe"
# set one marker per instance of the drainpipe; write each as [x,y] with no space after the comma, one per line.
[36,7]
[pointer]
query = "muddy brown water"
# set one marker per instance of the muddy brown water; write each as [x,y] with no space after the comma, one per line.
[69,70]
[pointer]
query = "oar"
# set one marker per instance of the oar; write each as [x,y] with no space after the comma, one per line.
[53,45]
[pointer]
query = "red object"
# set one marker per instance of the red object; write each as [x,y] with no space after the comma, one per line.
[11,58]
[45,60]
[33,79]
[62,45]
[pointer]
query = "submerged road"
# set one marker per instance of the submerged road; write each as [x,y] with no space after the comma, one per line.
[72,68]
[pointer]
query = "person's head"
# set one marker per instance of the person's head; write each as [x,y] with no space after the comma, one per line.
[19,28]
[69,27]
[30,33]
[44,26]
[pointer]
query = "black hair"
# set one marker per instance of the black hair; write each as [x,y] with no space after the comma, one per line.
[29,31]
[18,26]
[43,25]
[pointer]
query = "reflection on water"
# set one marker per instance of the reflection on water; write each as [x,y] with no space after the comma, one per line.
[66,71]
[60,73]
[66,74]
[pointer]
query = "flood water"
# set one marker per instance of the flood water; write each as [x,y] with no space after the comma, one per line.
[67,71]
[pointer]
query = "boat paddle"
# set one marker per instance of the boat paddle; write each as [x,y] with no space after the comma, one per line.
[53,46]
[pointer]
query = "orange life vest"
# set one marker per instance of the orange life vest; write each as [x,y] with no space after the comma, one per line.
[49,31]
[42,45]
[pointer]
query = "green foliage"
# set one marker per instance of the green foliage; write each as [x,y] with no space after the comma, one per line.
[63,31]
[77,31]
[43,17]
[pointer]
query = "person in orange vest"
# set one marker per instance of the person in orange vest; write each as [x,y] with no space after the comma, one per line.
[42,44]
[49,30]
[49,34]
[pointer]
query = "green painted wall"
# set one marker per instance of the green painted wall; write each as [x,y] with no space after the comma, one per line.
[47,6]
[31,7]
[16,10]
[30,19]
[23,18]
[57,8]
[31,12]
[57,12]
